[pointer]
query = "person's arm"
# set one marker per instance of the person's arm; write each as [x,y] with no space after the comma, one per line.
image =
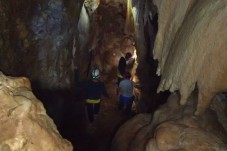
[136,85]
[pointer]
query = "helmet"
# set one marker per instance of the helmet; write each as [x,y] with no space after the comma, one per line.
[95,73]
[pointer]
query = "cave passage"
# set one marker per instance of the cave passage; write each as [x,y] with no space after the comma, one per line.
[54,44]
[67,107]
[111,35]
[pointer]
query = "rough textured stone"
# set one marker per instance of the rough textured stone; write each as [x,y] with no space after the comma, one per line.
[171,15]
[128,132]
[108,40]
[219,105]
[173,128]
[167,136]
[24,122]
[171,136]
[36,40]
[195,51]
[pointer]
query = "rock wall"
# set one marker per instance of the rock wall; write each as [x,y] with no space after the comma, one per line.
[109,42]
[24,122]
[173,127]
[36,40]
[191,48]
[145,21]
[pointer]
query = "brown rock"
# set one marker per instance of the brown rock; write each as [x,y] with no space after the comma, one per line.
[24,122]
[192,52]
[173,128]
[167,136]
[127,133]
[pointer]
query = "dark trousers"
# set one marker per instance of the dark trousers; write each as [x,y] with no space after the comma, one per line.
[125,102]
[92,109]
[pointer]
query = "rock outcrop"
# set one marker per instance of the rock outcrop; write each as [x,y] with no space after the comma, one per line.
[109,41]
[24,122]
[36,40]
[172,128]
[191,48]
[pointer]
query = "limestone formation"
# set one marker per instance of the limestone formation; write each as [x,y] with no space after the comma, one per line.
[108,41]
[128,132]
[191,48]
[219,105]
[173,128]
[24,122]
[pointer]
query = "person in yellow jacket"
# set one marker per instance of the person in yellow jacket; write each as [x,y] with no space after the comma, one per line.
[94,90]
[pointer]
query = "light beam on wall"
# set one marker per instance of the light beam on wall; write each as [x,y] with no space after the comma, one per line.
[83,28]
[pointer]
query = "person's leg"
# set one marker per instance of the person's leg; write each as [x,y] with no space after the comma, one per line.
[121,103]
[90,112]
[129,106]
[96,108]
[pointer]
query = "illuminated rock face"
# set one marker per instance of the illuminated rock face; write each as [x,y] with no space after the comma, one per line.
[24,122]
[191,48]
[109,42]
[173,127]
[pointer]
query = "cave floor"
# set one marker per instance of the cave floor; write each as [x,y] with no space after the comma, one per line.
[96,136]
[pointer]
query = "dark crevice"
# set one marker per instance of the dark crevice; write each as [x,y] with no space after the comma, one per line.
[150,31]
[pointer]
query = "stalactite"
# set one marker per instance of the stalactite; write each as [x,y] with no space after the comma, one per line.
[186,58]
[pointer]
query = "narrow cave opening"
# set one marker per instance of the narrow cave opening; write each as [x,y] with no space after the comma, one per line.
[66,107]
[147,69]
[150,32]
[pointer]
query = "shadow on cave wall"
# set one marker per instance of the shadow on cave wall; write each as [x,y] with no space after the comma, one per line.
[66,108]
[149,79]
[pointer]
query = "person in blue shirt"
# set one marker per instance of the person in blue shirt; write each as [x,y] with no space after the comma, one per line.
[126,87]
[122,66]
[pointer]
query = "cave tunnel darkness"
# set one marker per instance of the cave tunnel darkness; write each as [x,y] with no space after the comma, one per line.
[73,124]
[66,106]
[72,121]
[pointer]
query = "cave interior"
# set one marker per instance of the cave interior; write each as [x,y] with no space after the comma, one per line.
[57,43]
